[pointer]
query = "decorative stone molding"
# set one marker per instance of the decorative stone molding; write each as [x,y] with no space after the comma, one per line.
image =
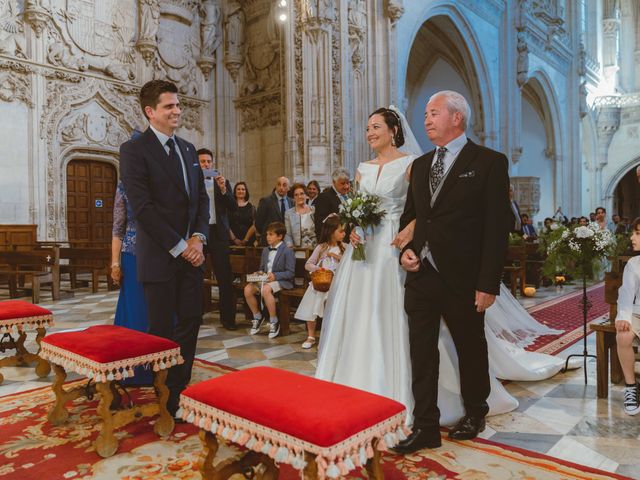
[149,19]
[38,14]
[192,114]
[516,153]
[259,111]
[394,10]
[357,20]
[523,59]
[234,44]
[15,82]
[210,35]
[12,41]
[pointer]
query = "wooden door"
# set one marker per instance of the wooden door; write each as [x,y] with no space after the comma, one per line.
[91,187]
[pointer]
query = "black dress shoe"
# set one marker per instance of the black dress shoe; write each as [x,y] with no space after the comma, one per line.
[420,438]
[229,326]
[467,428]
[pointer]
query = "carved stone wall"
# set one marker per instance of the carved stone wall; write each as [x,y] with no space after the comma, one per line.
[76,67]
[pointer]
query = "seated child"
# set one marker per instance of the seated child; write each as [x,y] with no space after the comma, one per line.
[279,262]
[326,255]
[628,323]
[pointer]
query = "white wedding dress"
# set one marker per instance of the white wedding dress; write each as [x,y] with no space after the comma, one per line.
[365,334]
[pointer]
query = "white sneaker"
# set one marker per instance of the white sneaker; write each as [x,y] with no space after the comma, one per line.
[632,400]
[255,326]
[274,329]
[309,342]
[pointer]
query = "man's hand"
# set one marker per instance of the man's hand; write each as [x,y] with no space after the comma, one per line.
[193,253]
[410,261]
[483,301]
[622,326]
[271,277]
[354,238]
[222,184]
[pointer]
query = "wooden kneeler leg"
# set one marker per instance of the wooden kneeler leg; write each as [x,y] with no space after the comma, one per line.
[106,444]
[374,468]
[58,414]
[42,368]
[210,444]
[165,424]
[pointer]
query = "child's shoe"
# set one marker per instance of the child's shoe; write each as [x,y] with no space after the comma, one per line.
[274,329]
[632,400]
[256,323]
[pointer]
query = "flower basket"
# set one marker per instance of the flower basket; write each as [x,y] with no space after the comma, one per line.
[321,279]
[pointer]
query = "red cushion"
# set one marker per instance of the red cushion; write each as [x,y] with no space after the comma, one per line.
[109,343]
[315,411]
[12,309]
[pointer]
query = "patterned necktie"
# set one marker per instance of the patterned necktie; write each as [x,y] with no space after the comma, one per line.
[282,209]
[437,169]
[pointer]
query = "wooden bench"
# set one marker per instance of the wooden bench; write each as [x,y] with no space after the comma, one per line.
[93,260]
[606,357]
[40,267]
[515,268]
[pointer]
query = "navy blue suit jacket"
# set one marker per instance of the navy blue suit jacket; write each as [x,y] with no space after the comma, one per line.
[164,211]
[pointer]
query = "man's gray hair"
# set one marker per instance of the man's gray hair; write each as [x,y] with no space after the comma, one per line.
[339,173]
[455,103]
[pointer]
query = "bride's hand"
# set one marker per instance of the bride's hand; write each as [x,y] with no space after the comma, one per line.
[405,236]
[354,238]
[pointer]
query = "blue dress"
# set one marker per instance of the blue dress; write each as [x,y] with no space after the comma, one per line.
[131,311]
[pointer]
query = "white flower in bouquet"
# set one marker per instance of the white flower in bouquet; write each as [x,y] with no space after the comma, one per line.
[554,225]
[583,232]
[361,210]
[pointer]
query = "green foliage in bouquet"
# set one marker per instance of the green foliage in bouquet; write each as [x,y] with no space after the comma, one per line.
[577,251]
[362,210]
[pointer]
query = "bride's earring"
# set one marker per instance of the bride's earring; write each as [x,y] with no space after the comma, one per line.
[393,141]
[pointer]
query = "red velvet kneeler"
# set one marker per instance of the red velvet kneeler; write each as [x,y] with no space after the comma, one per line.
[108,352]
[284,414]
[18,313]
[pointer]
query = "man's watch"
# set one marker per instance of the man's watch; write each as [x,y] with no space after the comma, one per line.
[200,237]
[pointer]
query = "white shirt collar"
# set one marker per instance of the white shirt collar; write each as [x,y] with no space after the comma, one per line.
[277,246]
[455,145]
[161,136]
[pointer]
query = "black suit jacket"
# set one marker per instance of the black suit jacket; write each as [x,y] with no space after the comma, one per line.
[225,203]
[467,228]
[269,212]
[326,202]
[163,210]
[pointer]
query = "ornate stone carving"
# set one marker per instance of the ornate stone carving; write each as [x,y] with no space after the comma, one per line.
[15,82]
[357,18]
[527,193]
[38,14]
[337,91]
[12,40]
[93,126]
[259,111]
[149,13]
[516,153]
[262,65]
[523,59]
[192,114]
[317,16]
[210,35]
[234,38]
[583,106]
[394,10]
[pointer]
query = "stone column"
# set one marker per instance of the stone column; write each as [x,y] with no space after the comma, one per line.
[611,39]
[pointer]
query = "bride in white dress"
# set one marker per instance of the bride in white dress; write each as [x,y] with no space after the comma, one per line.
[365,336]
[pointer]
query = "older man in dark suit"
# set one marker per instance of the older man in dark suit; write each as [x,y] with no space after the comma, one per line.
[165,187]
[329,200]
[272,207]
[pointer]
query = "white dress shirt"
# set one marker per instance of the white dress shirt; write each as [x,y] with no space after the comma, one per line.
[209,184]
[453,150]
[629,291]
[272,256]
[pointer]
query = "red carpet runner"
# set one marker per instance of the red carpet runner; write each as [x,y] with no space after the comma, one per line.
[565,313]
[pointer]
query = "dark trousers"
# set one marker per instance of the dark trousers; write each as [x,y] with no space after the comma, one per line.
[427,298]
[175,312]
[221,265]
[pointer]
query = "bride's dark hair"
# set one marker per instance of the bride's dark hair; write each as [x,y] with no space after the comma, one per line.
[392,120]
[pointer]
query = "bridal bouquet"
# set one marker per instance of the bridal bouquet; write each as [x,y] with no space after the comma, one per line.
[578,250]
[362,210]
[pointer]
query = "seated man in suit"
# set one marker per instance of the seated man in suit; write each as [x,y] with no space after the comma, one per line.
[271,208]
[528,232]
[329,200]
[221,203]
[279,262]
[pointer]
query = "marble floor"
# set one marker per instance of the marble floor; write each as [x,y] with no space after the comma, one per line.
[560,416]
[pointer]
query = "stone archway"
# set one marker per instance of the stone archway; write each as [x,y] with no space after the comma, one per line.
[440,58]
[626,191]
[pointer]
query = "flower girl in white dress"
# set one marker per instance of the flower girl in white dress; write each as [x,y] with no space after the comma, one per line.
[326,255]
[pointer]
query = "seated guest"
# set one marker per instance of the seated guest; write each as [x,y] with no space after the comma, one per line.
[547,225]
[583,221]
[628,323]
[528,232]
[327,255]
[601,218]
[313,190]
[272,207]
[279,262]
[299,220]
[241,221]
[329,200]
[592,217]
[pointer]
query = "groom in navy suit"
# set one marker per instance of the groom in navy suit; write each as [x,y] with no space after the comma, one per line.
[459,199]
[165,186]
